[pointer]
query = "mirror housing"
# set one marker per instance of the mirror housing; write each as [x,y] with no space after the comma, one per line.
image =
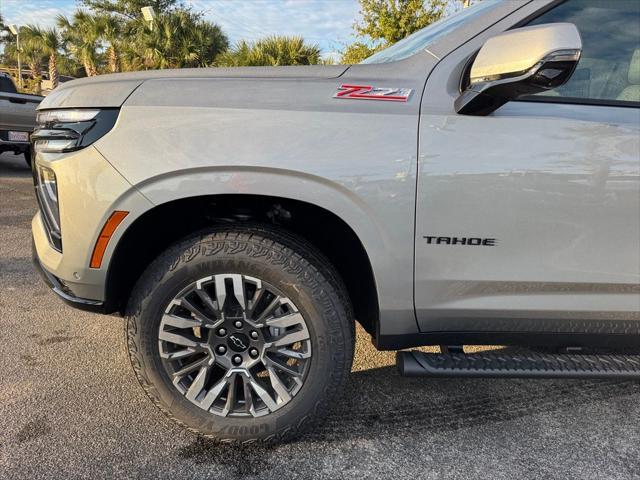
[520,62]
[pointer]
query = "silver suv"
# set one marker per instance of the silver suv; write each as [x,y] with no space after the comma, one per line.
[475,183]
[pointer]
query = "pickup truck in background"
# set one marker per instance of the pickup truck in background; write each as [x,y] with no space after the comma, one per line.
[17,118]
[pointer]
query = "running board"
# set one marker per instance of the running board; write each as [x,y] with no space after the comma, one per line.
[530,365]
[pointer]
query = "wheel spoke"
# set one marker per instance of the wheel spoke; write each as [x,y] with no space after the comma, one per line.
[293,353]
[198,384]
[191,367]
[231,395]
[198,314]
[270,363]
[178,354]
[173,337]
[248,396]
[180,322]
[238,289]
[264,395]
[275,303]
[291,337]
[213,394]
[257,296]
[286,321]
[207,300]
[278,386]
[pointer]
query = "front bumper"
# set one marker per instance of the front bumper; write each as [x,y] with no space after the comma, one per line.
[15,147]
[7,145]
[62,290]
[89,190]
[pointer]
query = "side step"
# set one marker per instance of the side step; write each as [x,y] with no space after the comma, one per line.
[529,365]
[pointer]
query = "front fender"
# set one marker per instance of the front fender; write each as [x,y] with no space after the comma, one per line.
[285,138]
[393,282]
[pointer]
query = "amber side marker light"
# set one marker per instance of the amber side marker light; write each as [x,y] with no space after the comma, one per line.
[105,235]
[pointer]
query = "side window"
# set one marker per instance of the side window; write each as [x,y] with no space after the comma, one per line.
[609,68]
[6,84]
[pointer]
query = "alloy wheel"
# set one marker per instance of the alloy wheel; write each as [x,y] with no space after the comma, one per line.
[234,345]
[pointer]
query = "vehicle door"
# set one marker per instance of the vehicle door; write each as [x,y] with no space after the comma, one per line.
[528,219]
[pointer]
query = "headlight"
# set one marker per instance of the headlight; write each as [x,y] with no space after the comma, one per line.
[60,131]
[47,195]
[65,116]
[54,146]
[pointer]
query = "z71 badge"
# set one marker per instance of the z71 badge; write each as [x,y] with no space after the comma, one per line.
[367,92]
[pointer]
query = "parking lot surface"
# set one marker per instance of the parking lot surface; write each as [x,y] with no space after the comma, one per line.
[70,406]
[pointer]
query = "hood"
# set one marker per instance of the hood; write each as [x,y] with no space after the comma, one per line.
[112,90]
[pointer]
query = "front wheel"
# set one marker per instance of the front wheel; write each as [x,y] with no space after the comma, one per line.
[27,156]
[241,334]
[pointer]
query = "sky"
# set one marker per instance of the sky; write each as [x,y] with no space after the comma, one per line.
[327,23]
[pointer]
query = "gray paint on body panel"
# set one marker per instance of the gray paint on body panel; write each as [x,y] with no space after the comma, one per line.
[554,184]
[289,138]
[557,186]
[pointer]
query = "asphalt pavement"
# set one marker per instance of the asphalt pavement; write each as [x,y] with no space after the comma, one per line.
[70,406]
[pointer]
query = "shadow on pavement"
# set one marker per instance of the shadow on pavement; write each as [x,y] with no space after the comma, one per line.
[379,402]
[13,166]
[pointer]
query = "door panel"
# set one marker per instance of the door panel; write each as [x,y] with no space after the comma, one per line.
[17,116]
[558,188]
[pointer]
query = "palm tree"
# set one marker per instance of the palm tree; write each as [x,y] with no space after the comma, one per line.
[271,51]
[179,39]
[240,55]
[82,35]
[209,41]
[167,45]
[49,42]
[32,55]
[110,30]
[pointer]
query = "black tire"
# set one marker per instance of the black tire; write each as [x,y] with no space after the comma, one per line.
[285,261]
[27,157]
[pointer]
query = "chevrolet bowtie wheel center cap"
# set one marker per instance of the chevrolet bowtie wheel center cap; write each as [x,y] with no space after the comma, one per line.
[238,342]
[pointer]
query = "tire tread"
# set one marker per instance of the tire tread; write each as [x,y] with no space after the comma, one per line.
[296,255]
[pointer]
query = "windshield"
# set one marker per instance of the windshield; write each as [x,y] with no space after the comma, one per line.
[422,38]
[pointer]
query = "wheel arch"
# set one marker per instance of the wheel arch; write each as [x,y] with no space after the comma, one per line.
[155,230]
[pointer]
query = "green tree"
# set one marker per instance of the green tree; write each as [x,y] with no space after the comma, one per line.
[49,42]
[384,22]
[131,8]
[81,35]
[392,20]
[356,52]
[31,55]
[110,30]
[271,51]
[178,39]
[33,58]
[8,40]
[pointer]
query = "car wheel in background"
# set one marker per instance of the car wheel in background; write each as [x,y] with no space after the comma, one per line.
[27,156]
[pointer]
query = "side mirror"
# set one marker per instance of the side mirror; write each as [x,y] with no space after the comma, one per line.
[520,62]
